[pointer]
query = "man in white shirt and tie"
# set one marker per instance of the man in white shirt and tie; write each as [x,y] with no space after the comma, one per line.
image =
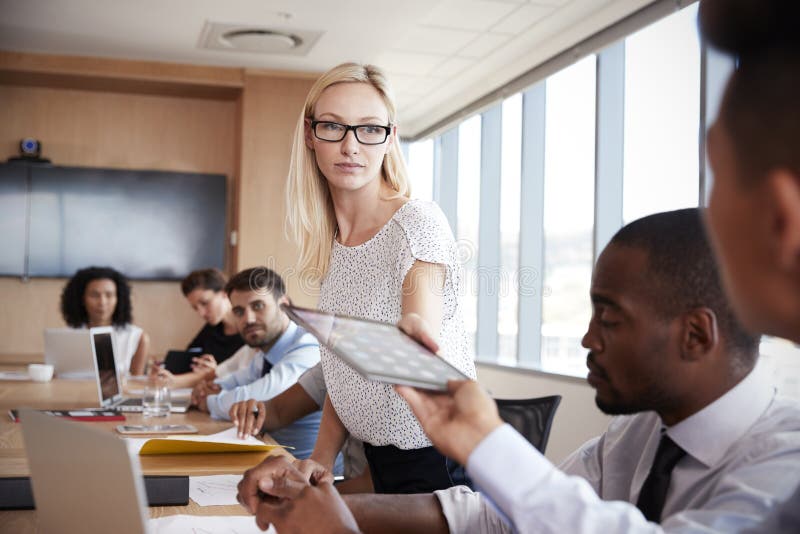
[668,356]
[284,351]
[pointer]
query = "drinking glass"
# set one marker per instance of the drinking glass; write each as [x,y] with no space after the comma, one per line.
[156,400]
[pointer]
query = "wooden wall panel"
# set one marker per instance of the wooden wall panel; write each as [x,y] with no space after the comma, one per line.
[30,307]
[22,66]
[121,76]
[26,310]
[90,124]
[270,107]
[118,130]
[127,131]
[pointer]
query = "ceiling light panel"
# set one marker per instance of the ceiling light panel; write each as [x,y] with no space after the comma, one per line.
[258,39]
[478,15]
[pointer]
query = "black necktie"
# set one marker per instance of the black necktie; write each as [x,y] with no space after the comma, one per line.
[654,490]
[267,366]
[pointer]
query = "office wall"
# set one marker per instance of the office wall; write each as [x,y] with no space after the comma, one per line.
[270,107]
[118,130]
[139,115]
[577,418]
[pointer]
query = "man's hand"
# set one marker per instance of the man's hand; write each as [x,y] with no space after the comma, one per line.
[455,421]
[293,502]
[258,482]
[248,416]
[306,510]
[201,391]
[313,471]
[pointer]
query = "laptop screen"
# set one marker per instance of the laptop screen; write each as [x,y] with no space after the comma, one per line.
[106,368]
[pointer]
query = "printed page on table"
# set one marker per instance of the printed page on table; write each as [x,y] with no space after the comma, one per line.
[214,490]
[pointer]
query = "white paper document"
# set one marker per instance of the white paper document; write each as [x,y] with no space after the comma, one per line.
[206,524]
[226,436]
[214,490]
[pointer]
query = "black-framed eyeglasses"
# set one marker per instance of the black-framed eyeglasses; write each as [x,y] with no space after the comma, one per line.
[366,134]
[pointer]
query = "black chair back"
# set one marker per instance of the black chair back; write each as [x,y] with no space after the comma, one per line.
[530,417]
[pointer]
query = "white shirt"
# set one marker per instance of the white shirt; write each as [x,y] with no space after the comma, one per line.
[294,352]
[783,519]
[239,360]
[367,281]
[743,457]
[126,342]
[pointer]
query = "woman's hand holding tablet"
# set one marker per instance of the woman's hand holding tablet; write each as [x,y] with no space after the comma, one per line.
[378,351]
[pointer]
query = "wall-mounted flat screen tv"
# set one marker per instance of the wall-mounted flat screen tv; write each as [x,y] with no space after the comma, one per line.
[147,224]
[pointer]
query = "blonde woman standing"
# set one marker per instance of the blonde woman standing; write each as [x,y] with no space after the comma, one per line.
[378,255]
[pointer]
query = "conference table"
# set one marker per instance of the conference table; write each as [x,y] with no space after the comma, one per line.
[59,394]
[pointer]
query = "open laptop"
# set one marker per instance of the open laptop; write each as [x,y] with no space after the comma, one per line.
[69,351]
[84,479]
[107,377]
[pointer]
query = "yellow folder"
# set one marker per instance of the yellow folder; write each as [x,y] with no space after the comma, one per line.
[225,441]
[183,446]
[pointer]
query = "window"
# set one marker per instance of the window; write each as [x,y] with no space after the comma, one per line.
[511,159]
[662,116]
[568,216]
[650,155]
[469,190]
[420,169]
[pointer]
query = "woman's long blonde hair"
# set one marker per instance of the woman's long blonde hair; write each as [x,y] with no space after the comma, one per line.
[311,221]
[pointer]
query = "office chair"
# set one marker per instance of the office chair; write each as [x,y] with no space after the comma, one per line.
[530,417]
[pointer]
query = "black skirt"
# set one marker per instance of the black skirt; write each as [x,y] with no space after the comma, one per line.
[423,470]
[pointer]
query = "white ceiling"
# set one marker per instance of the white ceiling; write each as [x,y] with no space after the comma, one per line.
[440,54]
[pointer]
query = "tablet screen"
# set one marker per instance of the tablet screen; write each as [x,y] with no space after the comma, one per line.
[180,361]
[378,351]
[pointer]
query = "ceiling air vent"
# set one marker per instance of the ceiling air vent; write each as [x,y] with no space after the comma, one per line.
[261,40]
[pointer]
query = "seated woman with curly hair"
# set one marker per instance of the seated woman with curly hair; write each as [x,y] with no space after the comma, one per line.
[101,296]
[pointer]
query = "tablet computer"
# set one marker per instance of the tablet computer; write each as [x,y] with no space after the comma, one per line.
[378,351]
[179,362]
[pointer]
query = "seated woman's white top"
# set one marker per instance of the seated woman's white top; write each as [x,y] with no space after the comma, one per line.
[126,341]
[367,281]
